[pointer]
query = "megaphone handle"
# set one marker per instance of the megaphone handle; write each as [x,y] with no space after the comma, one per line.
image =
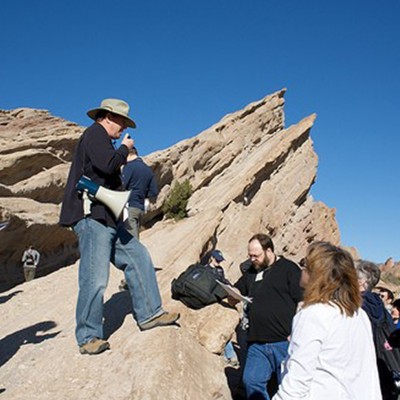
[86,203]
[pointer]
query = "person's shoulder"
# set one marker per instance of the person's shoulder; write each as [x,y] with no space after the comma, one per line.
[138,163]
[317,319]
[94,132]
[245,266]
[95,127]
[320,311]
[249,275]
[289,264]
[144,164]
[129,165]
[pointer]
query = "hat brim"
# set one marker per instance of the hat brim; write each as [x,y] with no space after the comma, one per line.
[92,114]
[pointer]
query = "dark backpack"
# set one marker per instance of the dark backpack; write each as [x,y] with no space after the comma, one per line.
[388,358]
[197,287]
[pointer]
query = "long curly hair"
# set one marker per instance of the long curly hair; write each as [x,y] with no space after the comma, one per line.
[332,278]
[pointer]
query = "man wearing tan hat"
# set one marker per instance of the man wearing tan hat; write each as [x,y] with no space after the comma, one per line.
[103,238]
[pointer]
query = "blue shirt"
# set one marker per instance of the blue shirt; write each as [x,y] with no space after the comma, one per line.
[138,177]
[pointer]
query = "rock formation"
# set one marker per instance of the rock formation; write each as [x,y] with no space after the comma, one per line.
[35,151]
[249,174]
[388,265]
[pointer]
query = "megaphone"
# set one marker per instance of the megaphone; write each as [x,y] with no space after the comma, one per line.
[113,199]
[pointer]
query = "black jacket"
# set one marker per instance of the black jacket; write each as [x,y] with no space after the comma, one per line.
[96,158]
[373,305]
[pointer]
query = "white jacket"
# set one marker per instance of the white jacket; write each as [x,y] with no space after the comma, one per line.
[331,356]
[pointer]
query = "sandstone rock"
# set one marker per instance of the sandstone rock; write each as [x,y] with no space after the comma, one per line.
[388,265]
[35,149]
[353,252]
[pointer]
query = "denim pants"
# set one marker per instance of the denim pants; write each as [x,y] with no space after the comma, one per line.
[99,245]
[229,351]
[262,360]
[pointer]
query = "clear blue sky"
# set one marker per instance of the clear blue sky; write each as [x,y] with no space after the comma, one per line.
[183,65]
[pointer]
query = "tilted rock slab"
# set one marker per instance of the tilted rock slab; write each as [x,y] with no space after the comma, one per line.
[35,149]
[249,174]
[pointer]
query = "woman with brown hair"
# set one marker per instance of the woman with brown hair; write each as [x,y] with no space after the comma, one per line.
[331,352]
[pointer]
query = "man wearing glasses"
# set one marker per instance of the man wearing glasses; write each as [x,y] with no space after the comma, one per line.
[103,237]
[272,282]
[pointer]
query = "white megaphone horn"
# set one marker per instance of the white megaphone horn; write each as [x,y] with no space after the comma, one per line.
[113,199]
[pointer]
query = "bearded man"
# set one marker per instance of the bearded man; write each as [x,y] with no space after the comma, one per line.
[272,282]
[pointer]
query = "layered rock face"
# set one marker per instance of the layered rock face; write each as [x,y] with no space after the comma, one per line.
[35,150]
[249,174]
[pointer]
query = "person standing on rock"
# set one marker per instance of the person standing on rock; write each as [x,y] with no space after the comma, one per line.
[139,178]
[30,260]
[103,238]
[273,284]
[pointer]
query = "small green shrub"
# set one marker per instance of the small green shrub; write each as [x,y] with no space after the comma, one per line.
[177,199]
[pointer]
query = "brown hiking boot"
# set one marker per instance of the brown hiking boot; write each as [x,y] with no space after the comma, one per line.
[162,320]
[94,346]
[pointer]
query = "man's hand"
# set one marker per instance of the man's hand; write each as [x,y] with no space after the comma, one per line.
[128,141]
[232,300]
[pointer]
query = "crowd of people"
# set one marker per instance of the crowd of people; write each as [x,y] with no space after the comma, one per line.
[328,333]
[313,328]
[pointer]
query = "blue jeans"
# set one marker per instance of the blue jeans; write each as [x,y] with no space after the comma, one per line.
[99,245]
[229,351]
[262,360]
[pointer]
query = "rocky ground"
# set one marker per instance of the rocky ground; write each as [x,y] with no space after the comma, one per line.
[39,358]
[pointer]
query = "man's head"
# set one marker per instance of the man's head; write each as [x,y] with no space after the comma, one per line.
[261,251]
[133,154]
[113,115]
[387,296]
[368,274]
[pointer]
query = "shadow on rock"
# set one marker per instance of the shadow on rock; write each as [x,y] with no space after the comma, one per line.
[115,311]
[4,299]
[11,343]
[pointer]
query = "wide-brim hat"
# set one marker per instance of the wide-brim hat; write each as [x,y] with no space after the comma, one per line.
[114,106]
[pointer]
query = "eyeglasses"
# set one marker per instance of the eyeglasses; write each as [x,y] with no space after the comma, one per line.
[303,264]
